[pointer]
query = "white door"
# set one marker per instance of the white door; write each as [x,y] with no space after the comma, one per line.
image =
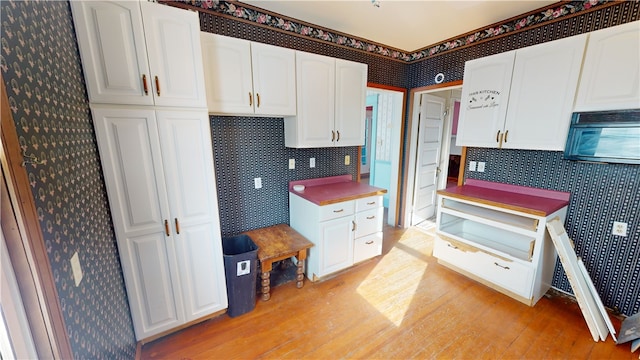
[134,176]
[351,92]
[113,50]
[185,137]
[315,81]
[228,73]
[336,245]
[274,79]
[175,55]
[432,111]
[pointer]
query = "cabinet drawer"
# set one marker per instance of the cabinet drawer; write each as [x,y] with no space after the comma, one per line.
[369,222]
[368,203]
[367,247]
[510,275]
[334,211]
[452,252]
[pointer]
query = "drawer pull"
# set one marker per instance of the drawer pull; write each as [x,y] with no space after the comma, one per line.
[338,211]
[369,242]
[166,227]
[371,217]
[498,265]
[452,246]
[157,86]
[144,84]
[354,226]
[371,203]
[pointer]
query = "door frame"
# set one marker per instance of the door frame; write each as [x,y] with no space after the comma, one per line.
[25,244]
[395,193]
[409,169]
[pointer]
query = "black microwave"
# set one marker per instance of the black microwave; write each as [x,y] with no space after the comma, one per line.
[604,136]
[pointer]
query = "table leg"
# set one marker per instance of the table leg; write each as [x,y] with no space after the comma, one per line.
[266,288]
[300,274]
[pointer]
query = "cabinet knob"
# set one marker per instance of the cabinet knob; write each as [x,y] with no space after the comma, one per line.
[157,86]
[144,84]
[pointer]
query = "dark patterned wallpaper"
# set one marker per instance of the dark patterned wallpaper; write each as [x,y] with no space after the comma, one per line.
[43,75]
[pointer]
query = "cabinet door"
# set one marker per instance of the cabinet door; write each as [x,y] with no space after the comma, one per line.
[187,153]
[274,80]
[545,78]
[112,47]
[175,56]
[610,78]
[485,93]
[351,91]
[227,74]
[130,154]
[315,87]
[336,245]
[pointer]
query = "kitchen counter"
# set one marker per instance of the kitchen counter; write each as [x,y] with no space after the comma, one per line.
[529,200]
[334,189]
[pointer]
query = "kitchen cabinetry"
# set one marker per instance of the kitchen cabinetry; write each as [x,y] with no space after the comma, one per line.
[244,77]
[344,233]
[140,53]
[331,96]
[496,234]
[158,168]
[610,78]
[508,102]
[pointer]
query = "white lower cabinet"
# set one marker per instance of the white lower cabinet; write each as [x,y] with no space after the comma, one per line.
[343,233]
[505,249]
[158,168]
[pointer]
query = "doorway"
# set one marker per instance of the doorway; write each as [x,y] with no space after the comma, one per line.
[433,160]
[380,156]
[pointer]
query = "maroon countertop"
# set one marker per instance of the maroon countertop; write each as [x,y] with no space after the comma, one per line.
[534,201]
[334,189]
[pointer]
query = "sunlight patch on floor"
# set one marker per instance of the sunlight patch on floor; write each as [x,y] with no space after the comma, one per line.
[405,264]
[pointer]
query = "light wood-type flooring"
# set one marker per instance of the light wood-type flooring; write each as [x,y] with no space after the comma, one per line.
[401,305]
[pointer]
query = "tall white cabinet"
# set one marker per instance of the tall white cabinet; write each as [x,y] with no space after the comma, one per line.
[151,122]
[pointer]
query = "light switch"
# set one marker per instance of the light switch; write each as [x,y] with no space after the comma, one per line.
[76,269]
[472,166]
[292,164]
[347,160]
[257,182]
[312,162]
[481,165]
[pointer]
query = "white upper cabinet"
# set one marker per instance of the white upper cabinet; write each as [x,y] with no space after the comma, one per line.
[140,53]
[521,99]
[331,103]
[244,77]
[350,106]
[543,87]
[485,94]
[610,78]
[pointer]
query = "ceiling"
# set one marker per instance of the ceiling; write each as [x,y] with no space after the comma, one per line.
[406,25]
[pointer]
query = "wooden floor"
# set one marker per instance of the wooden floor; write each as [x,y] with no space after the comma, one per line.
[400,305]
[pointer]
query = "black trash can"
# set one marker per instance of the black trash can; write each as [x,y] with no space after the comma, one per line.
[240,267]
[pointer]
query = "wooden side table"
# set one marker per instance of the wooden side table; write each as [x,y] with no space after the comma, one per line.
[277,243]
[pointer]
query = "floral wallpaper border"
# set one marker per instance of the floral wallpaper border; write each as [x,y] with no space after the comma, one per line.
[264,18]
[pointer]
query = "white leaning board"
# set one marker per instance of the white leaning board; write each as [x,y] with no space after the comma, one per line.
[586,299]
[598,301]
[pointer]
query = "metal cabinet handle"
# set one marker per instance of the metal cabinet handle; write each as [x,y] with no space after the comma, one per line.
[250,100]
[144,84]
[338,139]
[157,86]
[498,265]
[371,217]
[498,136]
[452,246]
[258,99]
[371,203]
[369,242]
[333,136]
[338,211]
[166,227]
[177,226]
[506,133]
[354,226]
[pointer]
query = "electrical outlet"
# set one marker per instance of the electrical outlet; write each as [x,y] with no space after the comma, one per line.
[257,182]
[619,228]
[243,267]
[292,164]
[347,160]
[481,165]
[472,166]
[312,162]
